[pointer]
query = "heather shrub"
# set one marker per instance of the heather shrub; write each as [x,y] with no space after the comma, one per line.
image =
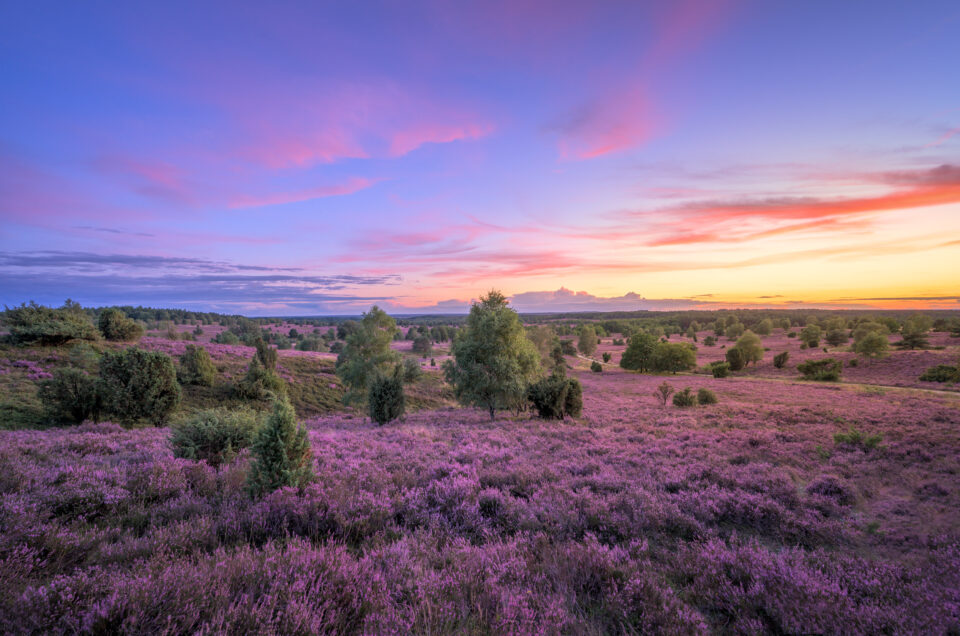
[385,399]
[139,385]
[281,453]
[596,367]
[556,396]
[196,367]
[735,359]
[215,435]
[493,360]
[259,383]
[412,370]
[706,396]
[606,356]
[663,393]
[115,325]
[832,488]
[36,324]
[71,395]
[824,369]
[720,369]
[941,373]
[674,357]
[780,360]
[684,398]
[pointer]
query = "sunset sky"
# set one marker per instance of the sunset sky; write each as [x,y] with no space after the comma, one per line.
[274,159]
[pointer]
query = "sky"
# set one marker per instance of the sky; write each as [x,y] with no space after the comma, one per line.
[281,158]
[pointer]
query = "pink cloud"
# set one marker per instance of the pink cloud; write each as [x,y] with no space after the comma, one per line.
[278,198]
[406,141]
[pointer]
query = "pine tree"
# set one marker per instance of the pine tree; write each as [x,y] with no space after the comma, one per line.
[281,453]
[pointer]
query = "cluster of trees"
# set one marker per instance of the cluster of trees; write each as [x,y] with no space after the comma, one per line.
[646,353]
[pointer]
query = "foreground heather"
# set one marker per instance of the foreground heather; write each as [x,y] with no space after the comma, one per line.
[743,517]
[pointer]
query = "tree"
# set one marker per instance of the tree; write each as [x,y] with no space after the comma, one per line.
[411,370]
[266,354]
[546,341]
[733,331]
[114,325]
[71,395]
[639,353]
[139,385]
[36,324]
[588,341]
[422,346]
[810,335]
[913,340]
[873,344]
[493,360]
[281,453]
[385,399]
[750,345]
[259,383]
[366,353]
[673,357]
[196,367]
[735,359]
[836,337]
[764,327]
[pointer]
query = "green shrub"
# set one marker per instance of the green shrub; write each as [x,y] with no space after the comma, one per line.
[836,337]
[281,453]
[780,360]
[673,357]
[227,338]
[750,346]
[823,370]
[596,367]
[941,373]
[684,398]
[215,435]
[71,395]
[385,399]
[196,367]
[810,335]
[36,324]
[720,369]
[663,393]
[266,354]
[115,325]
[709,341]
[606,356]
[139,385]
[854,437]
[259,383]
[706,396]
[556,396]
[735,359]
[411,370]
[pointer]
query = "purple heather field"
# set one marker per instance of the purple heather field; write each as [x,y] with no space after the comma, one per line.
[744,516]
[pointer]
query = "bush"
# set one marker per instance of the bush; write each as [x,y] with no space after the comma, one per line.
[385,400]
[556,396]
[71,395]
[750,346]
[215,435]
[674,357]
[227,338]
[259,383]
[872,344]
[606,356]
[196,367]
[855,438]
[663,393]
[411,370]
[114,325]
[266,354]
[281,453]
[810,335]
[823,370]
[596,367]
[422,346]
[684,398]
[720,369]
[36,324]
[836,337]
[735,359]
[139,385]
[780,360]
[709,341]
[941,373]
[706,396]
